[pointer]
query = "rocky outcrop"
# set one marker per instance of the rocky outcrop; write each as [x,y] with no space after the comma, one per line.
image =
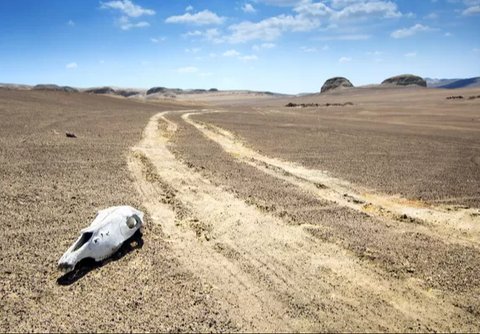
[126,93]
[101,90]
[334,83]
[51,87]
[405,80]
[155,90]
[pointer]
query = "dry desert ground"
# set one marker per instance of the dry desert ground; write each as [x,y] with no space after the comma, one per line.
[358,216]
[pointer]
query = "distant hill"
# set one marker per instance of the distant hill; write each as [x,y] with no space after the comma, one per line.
[405,80]
[52,87]
[334,83]
[15,86]
[453,83]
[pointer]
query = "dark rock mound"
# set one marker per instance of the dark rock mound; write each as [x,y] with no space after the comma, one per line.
[405,80]
[101,90]
[69,89]
[199,91]
[155,90]
[51,87]
[126,93]
[334,83]
[47,87]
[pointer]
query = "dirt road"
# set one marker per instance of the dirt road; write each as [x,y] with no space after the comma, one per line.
[289,248]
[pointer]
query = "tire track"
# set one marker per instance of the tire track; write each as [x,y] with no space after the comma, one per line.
[271,275]
[449,223]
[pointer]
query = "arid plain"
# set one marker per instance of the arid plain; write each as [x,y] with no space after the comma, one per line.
[358,211]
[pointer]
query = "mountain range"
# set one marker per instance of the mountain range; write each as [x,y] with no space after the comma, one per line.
[453,83]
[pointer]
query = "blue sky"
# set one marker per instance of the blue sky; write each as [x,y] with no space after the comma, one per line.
[277,45]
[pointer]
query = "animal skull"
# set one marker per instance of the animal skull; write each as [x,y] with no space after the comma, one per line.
[105,235]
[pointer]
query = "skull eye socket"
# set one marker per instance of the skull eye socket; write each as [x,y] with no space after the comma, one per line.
[83,240]
[131,222]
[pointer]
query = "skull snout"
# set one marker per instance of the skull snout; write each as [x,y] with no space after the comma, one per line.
[75,253]
[66,267]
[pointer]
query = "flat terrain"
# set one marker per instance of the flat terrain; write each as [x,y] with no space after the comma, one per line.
[260,218]
[51,187]
[411,142]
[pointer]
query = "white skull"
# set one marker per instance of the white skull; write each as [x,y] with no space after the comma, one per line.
[105,235]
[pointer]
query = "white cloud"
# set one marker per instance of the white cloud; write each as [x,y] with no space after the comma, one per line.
[375,53]
[347,37]
[432,16]
[71,66]
[248,58]
[267,45]
[211,35]
[448,34]
[204,17]
[187,70]
[310,15]
[71,23]
[407,32]
[346,9]
[308,49]
[193,33]
[257,47]
[307,15]
[125,23]
[307,8]
[189,8]
[269,29]
[384,9]
[473,10]
[157,39]
[410,54]
[231,53]
[248,8]
[341,3]
[235,54]
[193,50]
[344,60]
[280,2]
[128,8]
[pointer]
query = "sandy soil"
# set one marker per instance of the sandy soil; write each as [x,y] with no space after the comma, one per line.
[275,274]
[409,142]
[248,228]
[51,187]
